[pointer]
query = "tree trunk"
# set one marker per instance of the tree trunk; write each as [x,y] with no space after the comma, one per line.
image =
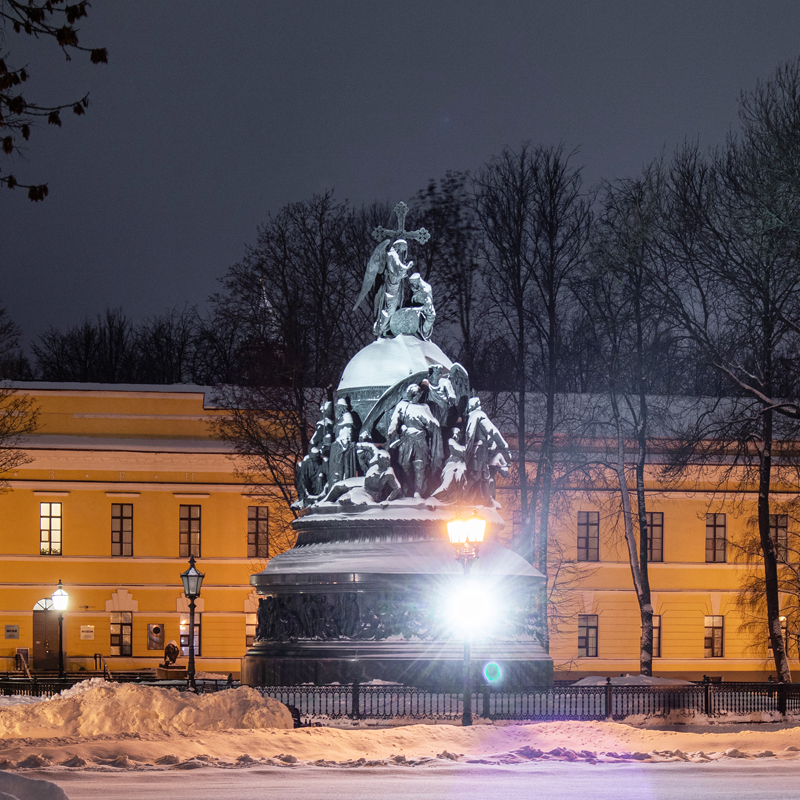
[771,586]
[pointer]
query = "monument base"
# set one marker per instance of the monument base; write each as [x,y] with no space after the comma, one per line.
[171,673]
[425,664]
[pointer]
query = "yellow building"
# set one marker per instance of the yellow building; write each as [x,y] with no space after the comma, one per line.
[126,482]
[695,574]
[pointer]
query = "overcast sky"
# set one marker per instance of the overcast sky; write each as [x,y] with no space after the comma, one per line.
[210,116]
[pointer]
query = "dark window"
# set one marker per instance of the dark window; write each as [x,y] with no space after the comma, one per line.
[190,531]
[185,634]
[588,536]
[779,531]
[587,636]
[257,532]
[656,635]
[121,633]
[50,529]
[250,625]
[715,637]
[122,529]
[655,536]
[716,538]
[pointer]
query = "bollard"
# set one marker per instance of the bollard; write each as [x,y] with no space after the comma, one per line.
[782,698]
[486,713]
[355,706]
[706,695]
[609,700]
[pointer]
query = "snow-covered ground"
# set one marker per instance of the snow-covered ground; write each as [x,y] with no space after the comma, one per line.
[99,734]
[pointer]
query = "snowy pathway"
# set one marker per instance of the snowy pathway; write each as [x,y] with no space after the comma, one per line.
[718,781]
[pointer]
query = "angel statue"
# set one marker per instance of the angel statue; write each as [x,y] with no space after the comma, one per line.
[389,297]
[393,269]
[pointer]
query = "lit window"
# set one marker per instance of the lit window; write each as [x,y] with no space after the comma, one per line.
[250,625]
[587,636]
[716,538]
[50,529]
[784,633]
[121,633]
[588,536]
[190,531]
[714,637]
[257,532]
[655,536]
[185,634]
[122,529]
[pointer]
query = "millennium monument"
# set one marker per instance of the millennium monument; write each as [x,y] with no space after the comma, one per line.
[368,591]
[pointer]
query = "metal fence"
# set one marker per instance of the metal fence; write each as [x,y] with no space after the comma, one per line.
[537,703]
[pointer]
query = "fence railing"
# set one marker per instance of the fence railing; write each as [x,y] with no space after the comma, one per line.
[538,703]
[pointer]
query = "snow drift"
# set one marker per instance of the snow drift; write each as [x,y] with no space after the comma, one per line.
[99,708]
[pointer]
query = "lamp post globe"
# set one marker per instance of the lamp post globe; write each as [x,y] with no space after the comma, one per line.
[60,600]
[466,536]
[192,580]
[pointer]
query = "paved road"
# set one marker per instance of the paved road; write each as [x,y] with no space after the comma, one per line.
[726,780]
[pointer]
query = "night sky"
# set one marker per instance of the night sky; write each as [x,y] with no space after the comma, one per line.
[210,116]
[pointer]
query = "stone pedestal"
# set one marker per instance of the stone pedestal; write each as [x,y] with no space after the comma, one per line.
[362,597]
[171,673]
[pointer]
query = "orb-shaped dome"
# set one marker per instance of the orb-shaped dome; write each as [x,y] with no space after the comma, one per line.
[387,361]
[382,364]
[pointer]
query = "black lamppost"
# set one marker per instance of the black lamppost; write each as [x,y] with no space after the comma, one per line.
[466,536]
[192,581]
[60,601]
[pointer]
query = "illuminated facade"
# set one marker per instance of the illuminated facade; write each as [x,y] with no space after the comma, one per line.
[126,483]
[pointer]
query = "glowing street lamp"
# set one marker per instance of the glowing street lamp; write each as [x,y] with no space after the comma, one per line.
[466,536]
[60,602]
[192,581]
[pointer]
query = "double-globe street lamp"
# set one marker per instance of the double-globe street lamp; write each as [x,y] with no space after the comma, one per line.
[192,581]
[60,601]
[466,536]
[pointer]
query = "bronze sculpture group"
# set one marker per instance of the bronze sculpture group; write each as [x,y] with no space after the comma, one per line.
[426,436]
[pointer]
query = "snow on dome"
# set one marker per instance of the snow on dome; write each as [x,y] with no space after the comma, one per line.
[387,361]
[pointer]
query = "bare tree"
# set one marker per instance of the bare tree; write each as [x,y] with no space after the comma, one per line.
[287,306]
[451,257]
[728,277]
[50,20]
[632,341]
[535,219]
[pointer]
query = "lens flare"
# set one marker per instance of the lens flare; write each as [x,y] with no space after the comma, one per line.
[492,672]
[469,608]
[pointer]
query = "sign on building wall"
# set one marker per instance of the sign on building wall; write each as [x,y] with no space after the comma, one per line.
[12,631]
[87,631]
[155,636]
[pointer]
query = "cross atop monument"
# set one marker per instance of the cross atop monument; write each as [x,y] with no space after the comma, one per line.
[401,209]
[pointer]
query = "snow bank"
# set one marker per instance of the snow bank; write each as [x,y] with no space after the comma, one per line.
[631,680]
[99,708]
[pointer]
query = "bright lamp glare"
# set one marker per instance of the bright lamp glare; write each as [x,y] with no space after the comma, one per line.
[462,531]
[60,598]
[470,608]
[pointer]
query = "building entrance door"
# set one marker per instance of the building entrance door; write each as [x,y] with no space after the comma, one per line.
[45,640]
